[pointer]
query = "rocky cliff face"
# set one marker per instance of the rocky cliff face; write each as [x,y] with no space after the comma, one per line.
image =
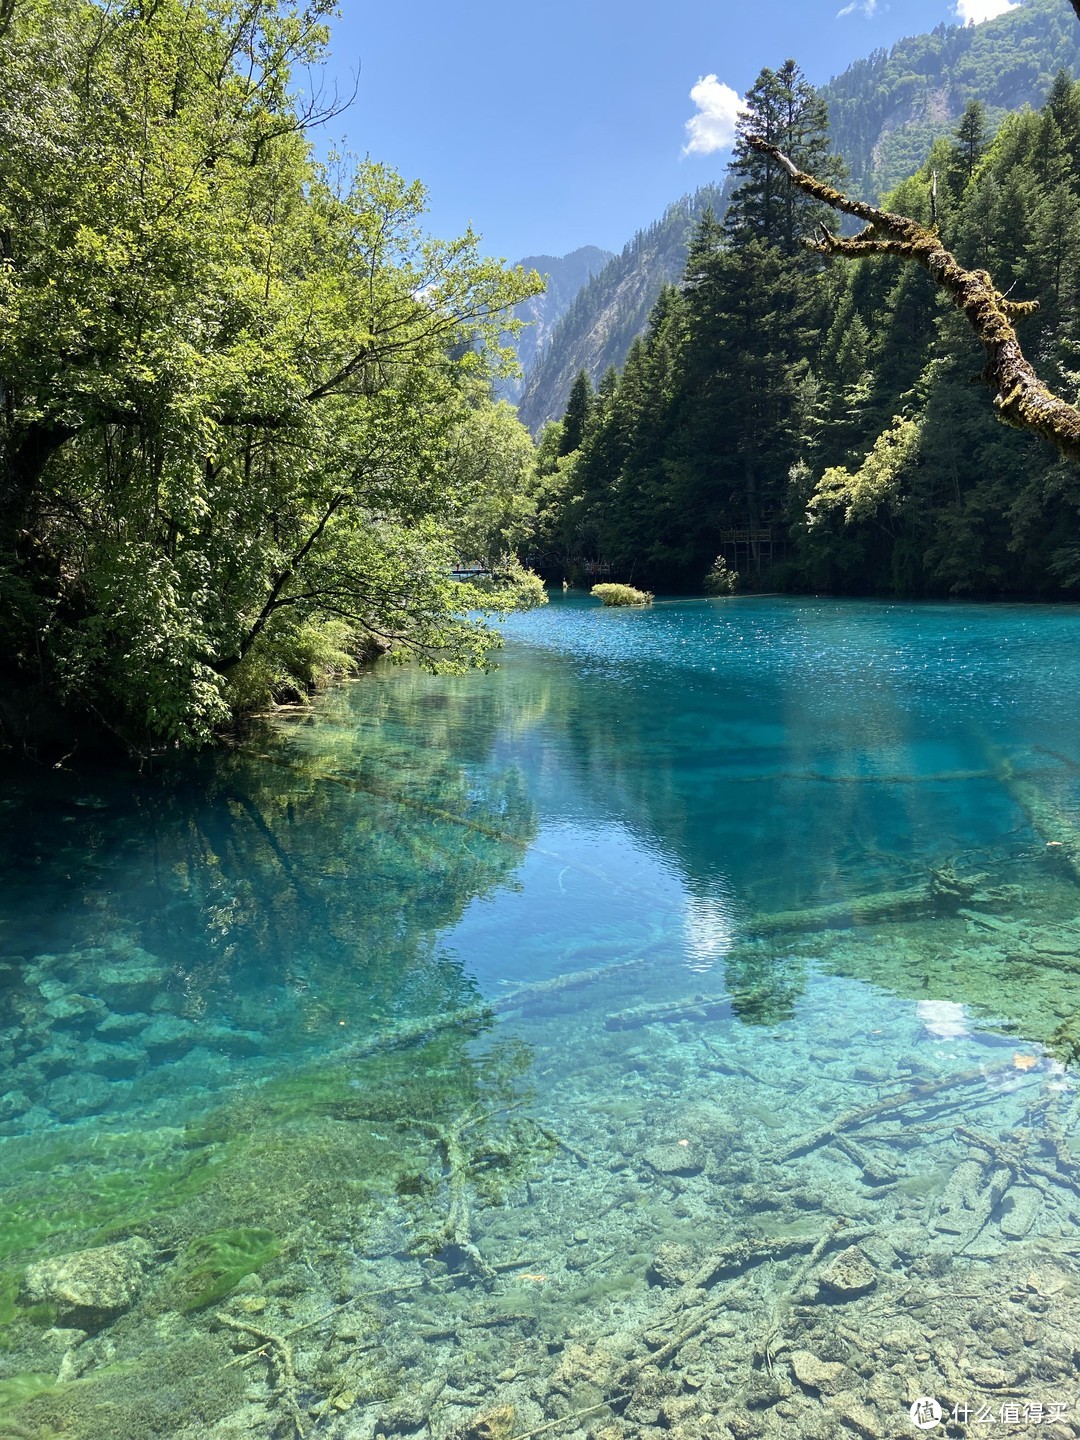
[565,275]
[599,326]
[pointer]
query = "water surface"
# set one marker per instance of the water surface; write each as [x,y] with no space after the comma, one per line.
[668,1033]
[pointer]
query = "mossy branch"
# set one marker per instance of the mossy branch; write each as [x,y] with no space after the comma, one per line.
[1021,398]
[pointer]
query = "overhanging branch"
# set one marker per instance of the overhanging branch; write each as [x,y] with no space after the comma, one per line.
[1021,397]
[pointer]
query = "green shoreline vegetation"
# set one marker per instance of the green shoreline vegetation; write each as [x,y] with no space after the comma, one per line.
[621,595]
[247,423]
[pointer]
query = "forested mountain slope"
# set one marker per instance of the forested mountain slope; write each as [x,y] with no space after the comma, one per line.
[564,275]
[598,327]
[886,111]
[819,424]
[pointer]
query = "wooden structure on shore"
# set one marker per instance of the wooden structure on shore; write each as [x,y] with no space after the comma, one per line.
[753,549]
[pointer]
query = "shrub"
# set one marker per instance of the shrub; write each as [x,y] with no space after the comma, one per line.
[621,595]
[721,580]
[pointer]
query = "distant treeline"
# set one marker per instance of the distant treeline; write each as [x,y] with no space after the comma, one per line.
[838,403]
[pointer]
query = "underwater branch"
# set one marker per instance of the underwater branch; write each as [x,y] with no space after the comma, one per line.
[1021,398]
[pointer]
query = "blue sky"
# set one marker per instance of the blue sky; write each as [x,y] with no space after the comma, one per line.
[563,124]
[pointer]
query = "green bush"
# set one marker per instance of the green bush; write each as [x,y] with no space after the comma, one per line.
[721,580]
[621,595]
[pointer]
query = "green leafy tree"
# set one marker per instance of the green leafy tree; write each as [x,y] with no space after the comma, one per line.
[234,380]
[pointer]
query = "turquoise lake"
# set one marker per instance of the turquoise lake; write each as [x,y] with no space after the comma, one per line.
[670,1033]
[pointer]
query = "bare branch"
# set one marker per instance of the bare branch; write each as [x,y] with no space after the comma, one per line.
[1021,398]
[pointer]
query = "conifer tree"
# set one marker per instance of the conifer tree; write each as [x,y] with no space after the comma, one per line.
[783,106]
[971,140]
[576,419]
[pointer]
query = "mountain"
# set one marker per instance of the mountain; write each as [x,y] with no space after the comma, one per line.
[887,111]
[565,275]
[600,323]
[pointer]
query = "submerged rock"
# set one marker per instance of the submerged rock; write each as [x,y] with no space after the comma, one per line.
[74,1010]
[1019,1209]
[169,1035]
[74,1095]
[92,1286]
[672,1265]
[13,1103]
[130,982]
[848,1274]
[857,1416]
[119,1026]
[497,1424]
[827,1377]
[673,1158]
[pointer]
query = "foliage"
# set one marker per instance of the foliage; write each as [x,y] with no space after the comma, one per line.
[621,595]
[833,404]
[237,382]
[721,579]
[877,481]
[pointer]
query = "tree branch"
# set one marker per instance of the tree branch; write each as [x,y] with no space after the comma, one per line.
[274,601]
[1021,398]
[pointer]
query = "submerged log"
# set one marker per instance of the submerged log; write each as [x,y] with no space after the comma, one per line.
[889,1104]
[1058,832]
[943,891]
[405,1033]
[862,910]
[697,1007]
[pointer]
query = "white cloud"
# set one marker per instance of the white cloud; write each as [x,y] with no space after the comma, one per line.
[713,127]
[974,12]
[866,7]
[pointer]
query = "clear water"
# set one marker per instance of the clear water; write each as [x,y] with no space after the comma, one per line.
[531,1049]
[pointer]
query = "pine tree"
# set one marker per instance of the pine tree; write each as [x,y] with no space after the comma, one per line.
[971,142]
[783,108]
[1063,103]
[576,420]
